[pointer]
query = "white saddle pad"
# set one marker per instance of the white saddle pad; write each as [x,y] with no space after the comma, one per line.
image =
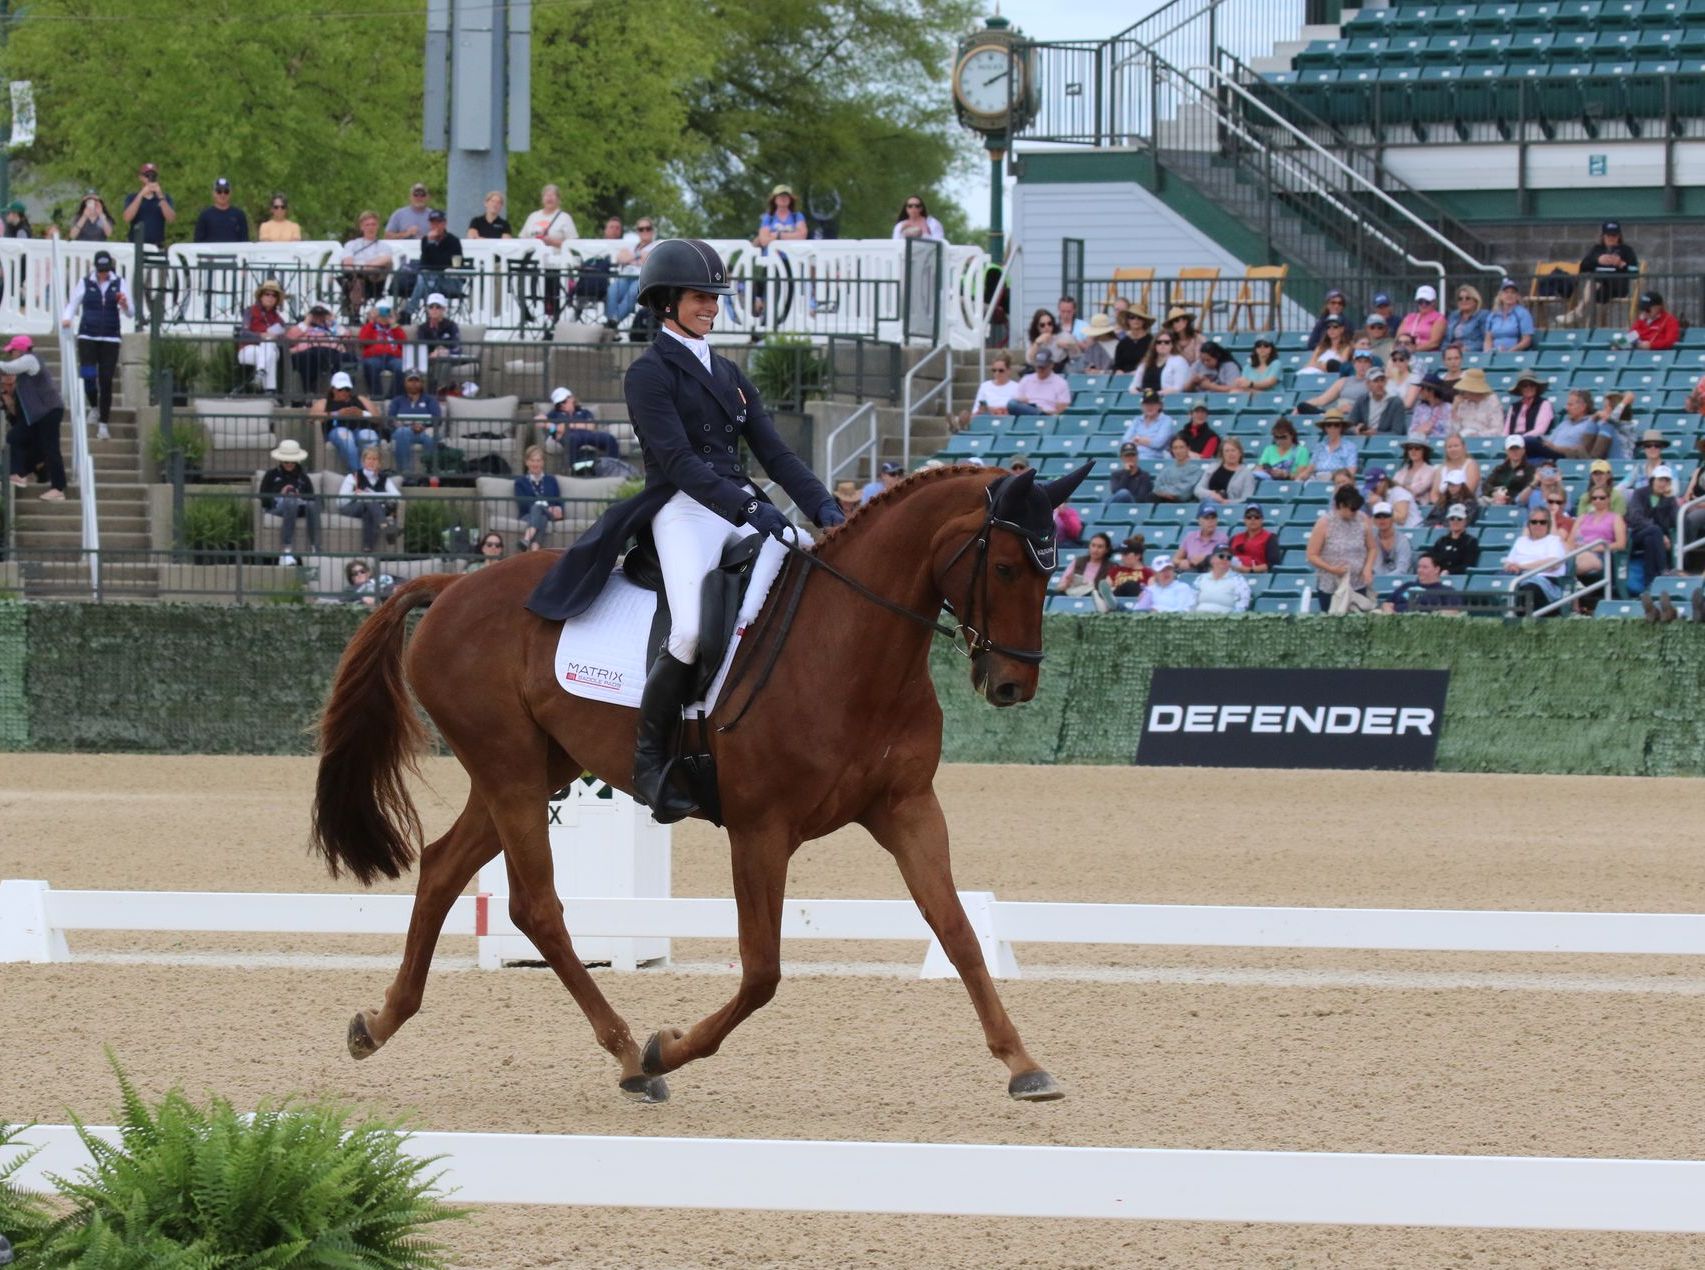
[600,655]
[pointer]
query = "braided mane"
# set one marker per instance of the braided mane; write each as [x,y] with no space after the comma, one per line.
[928,476]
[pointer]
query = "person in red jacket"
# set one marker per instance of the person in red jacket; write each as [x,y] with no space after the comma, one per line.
[1656,326]
[382,350]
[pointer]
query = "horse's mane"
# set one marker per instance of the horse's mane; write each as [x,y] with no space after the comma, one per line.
[928,476]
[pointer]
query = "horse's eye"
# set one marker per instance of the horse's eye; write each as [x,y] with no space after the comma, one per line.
[1004,572]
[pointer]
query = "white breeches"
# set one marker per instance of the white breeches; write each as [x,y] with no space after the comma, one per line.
[264,358]
[690,538]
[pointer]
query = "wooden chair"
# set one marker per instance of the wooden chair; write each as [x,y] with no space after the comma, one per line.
[1179,298]
[1274,277]
[1130,273]
[1539,303]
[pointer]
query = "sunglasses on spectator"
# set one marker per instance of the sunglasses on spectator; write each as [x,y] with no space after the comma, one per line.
[1652,445]
[646,229]
[1601,498]
[360,573]
[1382,515]
[279,207]
[914,203]
[1538,520]
[1163,340]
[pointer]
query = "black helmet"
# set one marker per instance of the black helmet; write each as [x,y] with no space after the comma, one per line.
[677,263]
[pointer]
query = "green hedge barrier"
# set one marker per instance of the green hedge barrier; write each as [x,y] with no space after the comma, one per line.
[1562,696]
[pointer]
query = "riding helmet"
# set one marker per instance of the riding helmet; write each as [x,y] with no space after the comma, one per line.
[683,264]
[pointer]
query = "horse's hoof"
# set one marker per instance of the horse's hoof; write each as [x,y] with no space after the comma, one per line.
[361,1042]
[1036,1086]
[651,1060]
[645,1088]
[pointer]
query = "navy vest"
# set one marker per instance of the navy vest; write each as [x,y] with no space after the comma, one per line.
[100,309]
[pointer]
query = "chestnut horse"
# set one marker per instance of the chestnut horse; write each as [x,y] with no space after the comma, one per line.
[846,730]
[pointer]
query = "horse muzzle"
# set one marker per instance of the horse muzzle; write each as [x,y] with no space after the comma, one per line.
[1000,682]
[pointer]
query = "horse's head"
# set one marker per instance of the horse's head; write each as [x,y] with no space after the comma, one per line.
[993,568]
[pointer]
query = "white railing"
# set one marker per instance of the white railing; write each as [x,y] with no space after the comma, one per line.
[1682,545]
[839,466]
[814,288]
[76,412]
[912,401]
[1601,587]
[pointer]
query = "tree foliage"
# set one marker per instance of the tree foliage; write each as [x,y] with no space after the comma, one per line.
[685,109]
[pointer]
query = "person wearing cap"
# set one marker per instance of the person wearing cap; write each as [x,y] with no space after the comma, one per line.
[1166,592]
[278,227]
[413,413]
[1652,511]
[1509,326]
[1129,483]
[349,421]
[1652,448]
[1539,550]
[1506,482]
[1378,487]
[1215,369]
[1231,480]
[260,339]
[1392,552]
[150,208]
[1607,262]
[92,224]
[1221,589]
[1334,451]
[1417,474]
[1456,551]
[1099,344]
[1255,548]
[782,220]
[1348,390]
[1136,327]
[569,427]
[1263,371]
[382,339]
[887,477]
[1336,349]
[410,220]
[1333,306]
[1530,414]
[1380,412]
[440,252]
[1042,391]
[222,223]
[1152,430]
[1475,411]
[315,348]
[1425,324]
[1601,476]
[1199,434]
[1381,304]
[1341,549]
[17,222]
[1129,575]
[995,393]
[1467,323]
[1430,416]
[439,339]
[34,412]
[1656,327]
[1426,593]
[1195,547]
[99,308]
[1377,338]
[287,491]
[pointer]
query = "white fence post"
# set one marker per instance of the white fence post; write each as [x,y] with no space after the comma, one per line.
[603,845]
[25,934]
[997,953]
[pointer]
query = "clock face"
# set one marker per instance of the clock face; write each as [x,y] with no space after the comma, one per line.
[983,82]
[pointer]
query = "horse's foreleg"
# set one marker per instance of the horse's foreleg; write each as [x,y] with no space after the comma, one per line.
[914,831]
[537,913]
[445,868]
[760,883]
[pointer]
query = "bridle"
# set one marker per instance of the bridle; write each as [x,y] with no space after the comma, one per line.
[1038,547]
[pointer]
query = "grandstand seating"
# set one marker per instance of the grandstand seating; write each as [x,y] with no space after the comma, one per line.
[1103,405]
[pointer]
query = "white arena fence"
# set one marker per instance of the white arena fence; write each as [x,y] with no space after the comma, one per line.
[978,1180]
[35,919]
[819,278]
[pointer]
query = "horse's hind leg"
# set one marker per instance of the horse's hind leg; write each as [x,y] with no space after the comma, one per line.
[914,831]
[445,869]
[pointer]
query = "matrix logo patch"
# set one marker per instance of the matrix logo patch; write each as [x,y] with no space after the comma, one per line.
[592,676]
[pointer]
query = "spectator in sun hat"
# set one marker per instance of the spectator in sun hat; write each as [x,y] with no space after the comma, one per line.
[1476,411]
[222,223]
[150,207]
[1456,551]
[1333,306]
[1424,324]
[258,343]
[1656,327]
[100,306]
[1137,326]
[1186,339]
[287,491]
[414,413]
[1653,446]
[1509,326]
[1195,547]
[1166,593]
[1100,339]
[1221,589]
[568,425]
[1042,391]
[411,219]
[1129,483]
[1255,548]
[1333,451]
[782,218]
[1530,414]
[890,475]
[1417,473]
[1506,482]
[1430,417]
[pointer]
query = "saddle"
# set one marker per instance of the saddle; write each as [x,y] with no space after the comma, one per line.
[723,591]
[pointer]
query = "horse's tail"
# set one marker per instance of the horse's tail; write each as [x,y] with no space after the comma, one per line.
[370,735]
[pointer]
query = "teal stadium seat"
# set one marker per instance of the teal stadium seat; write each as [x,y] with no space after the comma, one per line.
[1613,609]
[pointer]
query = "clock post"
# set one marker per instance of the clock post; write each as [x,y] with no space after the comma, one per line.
[997,198]
[994,95]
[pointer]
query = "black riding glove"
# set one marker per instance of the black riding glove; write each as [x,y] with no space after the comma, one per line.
[765,518]
[829,515]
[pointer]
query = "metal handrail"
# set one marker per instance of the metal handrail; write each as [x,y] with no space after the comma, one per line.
[1602,585]
[910,405]
[82,462]
[1360,180]
[985,308]
[1681,527]
[1306,177]
[834,469]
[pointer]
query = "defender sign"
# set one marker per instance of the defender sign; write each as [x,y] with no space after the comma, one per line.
[1293,718]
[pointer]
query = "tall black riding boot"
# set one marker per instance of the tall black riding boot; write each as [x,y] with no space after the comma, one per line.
[666,689]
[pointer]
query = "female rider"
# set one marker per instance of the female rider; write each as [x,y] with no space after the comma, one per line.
[690,410]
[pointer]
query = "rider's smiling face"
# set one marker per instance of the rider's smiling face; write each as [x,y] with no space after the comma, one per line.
[696,313]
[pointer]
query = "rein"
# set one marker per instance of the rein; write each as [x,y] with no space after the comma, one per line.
[975,643]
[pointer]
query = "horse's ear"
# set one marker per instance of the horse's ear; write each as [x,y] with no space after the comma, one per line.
[1012,494]
[1059,491]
